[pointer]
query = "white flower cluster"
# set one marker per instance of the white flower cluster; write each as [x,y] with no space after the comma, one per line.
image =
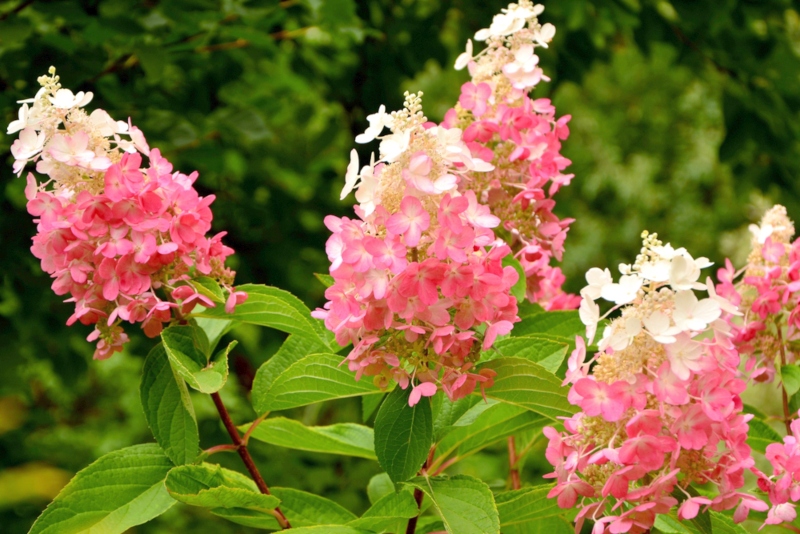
[69,158]
[436,155]
[660,284]
[511,40]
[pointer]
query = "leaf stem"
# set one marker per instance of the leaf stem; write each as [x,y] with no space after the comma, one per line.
[513,470]
[241,448]
[219,448]
[412,522]
[787,417]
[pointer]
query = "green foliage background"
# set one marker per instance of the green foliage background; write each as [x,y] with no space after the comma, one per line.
[686,121]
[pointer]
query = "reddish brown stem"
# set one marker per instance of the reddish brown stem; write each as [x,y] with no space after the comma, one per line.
[787,416]
[512,464]
[219,448]
[241,448]
[412,522]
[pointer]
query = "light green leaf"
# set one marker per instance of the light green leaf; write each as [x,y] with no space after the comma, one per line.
[328,529]
[465,503]
[315,378]
[209,287]
[668,524]
[387,512]
[564,324]
[496,423]
[304,509]
[547,352]
[518,289]
[547,525]
[446,413]
[118,491]
[187,349]
[526,506]
[211,486]
[295,348]
[722,524]
[214,329]
[529,385]
[275,308]
[790,374]
[403,434]
[348,439]
[326,279]
[168,408]
[379,487]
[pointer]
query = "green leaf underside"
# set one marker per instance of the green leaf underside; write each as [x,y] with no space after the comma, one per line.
[564,324]
[211,486]
[294,349]
[403,434]
[790,374]
[465,503]
[214,329]
[168,408]
[315,378]
[348,439]
[387,512]
[379,487]
[274,308]
[496,423]
[547,352]
[518,289]
[304,509]
[529,385]
[526,506]
[118,491]
[187,349]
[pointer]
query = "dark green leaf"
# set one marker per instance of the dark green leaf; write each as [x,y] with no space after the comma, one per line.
[387,512]
[465,503]
[168,408]
[403,434]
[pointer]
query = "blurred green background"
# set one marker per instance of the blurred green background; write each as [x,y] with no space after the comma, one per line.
[686,121]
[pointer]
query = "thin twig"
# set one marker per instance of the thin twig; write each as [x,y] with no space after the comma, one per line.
[513,470]
[787,416]
[241,448]
[219,448]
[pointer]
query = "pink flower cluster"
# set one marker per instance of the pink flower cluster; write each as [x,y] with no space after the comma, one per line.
[522,138]
[127,243]
[783,487]
[660,405]
[769,293]
[419,275]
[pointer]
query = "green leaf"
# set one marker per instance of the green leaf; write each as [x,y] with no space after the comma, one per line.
[761,435]
[526,506]
[790,374]
[722,524]
[518,289]
[328,529]
[348,439]
[403,434]
[387,512]
[187,349]
[315,378]
[326,279]
[118,491]
[168,408]
[564,324]
[494,424]
[209,287]
[211,486]
[705,523]
[447,413]
[465,503]
[547,352]
[547,525]
[529,385]
[304,509]
[214,329]
[379,487]
[295,348]
[275,308]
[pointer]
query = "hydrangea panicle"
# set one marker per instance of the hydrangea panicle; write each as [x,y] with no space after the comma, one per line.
[521,137]
[419,273]
[126,241]
[660,406]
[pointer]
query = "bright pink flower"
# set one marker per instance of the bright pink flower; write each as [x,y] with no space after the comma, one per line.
[410,221]
[474,97]
[425,389]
